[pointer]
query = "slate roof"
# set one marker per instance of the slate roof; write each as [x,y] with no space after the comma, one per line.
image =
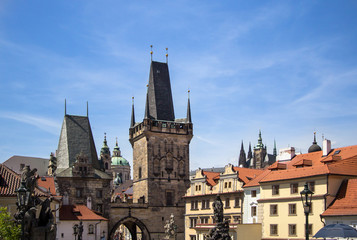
[40,163]
[159,97]
[97,174]
[345,203]
[76,136]
[78,212]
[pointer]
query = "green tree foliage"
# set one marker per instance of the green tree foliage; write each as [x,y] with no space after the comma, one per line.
[9,230]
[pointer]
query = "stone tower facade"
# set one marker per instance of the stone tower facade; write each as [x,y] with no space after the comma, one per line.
[160,145]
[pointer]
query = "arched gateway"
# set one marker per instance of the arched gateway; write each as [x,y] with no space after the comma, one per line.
[132,224]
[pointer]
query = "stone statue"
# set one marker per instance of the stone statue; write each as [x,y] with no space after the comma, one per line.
[80,230]
[29,222]
[218,209]
[170,228]
[221,230]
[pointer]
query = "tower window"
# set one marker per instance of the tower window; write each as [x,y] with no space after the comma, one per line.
[106,166]
[139,172]
[169,198]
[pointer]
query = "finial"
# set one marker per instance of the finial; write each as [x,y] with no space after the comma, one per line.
[151,52]
[188,93]
[87,108]
[167,55]
[314,138]
[105,136]
[116,141]
[65,107]
[132,100]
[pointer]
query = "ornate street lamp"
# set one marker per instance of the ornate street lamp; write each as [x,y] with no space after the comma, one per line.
[75,231]
[306,197]
[23,196]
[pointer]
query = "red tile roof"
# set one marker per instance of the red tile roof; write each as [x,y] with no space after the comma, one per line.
[47,183]
[9,181]
[314,164]
[211,177]
[345,203]
[247,174]
[78,212]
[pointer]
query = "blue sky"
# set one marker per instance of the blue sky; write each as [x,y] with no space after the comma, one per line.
[288,68]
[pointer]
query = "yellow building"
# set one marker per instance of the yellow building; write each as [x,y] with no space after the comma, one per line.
[282,214]
[205,185]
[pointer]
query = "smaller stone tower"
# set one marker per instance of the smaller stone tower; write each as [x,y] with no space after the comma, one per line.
[105,159]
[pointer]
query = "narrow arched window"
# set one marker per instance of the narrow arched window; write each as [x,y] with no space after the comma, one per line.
[90,229]
[139,172]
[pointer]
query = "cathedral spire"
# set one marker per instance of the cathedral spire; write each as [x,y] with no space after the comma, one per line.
[260,141]
[250,155]
[242,159]
[132,122]
[188,117]
[274,150]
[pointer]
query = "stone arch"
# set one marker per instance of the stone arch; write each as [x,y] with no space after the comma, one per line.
[131,223]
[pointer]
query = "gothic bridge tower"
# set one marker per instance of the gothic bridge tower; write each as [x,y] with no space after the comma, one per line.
[160,145]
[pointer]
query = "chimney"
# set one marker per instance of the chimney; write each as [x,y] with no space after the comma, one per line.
[326,147]
[286,154]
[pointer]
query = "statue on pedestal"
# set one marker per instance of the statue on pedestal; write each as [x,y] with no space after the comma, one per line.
[221,230]
[170,228]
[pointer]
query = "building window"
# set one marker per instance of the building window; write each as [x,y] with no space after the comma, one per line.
[273,210]
[79,192]
[236,202]
[292,209]
[254,193]
[293,188]
[225,185]
[229,184]
[205,204]
[275,190]
[192,237]
[100,208]
[204,220]
[193,222]
[194,205]
[106,166]
[99,193]
[90,229]
[311,186]
[169,198]
[227,203]
[292,229]
[254,211]
[310,229]
[273,229]
[139,172]
[236,219]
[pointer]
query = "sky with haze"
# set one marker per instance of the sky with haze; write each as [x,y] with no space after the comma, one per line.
[288,68]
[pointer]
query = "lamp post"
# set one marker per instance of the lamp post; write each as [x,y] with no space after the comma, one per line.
[306,197]
[23,196]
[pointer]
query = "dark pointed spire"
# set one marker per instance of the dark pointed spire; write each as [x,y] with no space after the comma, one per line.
[274,150]
[242,159]
[314,142]
[188,116]
[250,154]
[105,148]
[159,93]
[132,122]
[151,52]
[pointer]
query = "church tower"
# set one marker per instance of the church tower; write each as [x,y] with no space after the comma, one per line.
[105,159]
[160,145]
[259,153]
